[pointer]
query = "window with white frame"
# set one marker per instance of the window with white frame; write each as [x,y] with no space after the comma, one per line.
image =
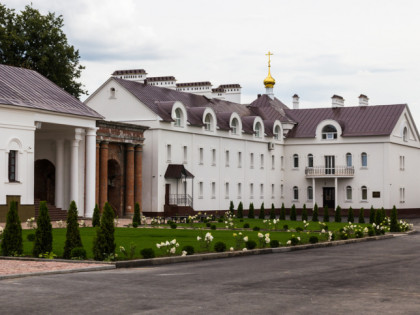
[295,193]
[239,159]
[281,191]
[273,191]
[349,193]
[402,195]
[226,190]
[329,132]
[405,134]
[295,161]
[310,193]
[200,190]
[251,160]
[310,160]
[185,154]
[239,190]
[364,193]
[277,133]
[251,190]
[227,158]
[12,166]
[364,159]
[273,162]
[178,117]
[201,155]
[168,153]
[235,126]
[262,191]
[208,122]
[258,130]
[402,162]
[349,160]
[213,157]
[213,190]
[262,161]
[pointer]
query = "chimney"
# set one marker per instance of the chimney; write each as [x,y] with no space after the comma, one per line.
[295,101]
[337,101]
[363,100]
[259,95]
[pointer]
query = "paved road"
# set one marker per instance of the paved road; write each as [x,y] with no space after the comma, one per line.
[380,277]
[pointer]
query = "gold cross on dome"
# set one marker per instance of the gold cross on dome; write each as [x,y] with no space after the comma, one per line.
[269,60]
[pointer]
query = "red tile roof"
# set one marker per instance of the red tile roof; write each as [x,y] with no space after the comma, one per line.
[27,88]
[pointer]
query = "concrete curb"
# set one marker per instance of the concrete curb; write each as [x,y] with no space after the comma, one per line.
[95,262]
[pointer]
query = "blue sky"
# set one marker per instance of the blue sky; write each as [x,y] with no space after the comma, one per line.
[320,48]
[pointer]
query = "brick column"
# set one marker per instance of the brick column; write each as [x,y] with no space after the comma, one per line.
[129,180]
[97,173]
[103,177]
[138,174]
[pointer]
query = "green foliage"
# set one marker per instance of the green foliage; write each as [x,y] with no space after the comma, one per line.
[293,213]
[359,234]
[231,208]
[250,244]
[251,214]
[378,217]
[350,215]
[173,225]
[285,227]
[383,214]
[213,226]
[240,212]
[147,253]
[73,239]
[208,224]
[220,247]
[337,217]
[313,239]
[96,219]
[31,237]
[34,41]
[272,212]
[189,249]
[256,228]
[43,232]
[304,213]
[274,243]
[11,244]
[294,241]
[246,225]
[262,212]
[315,213]
[371,231]
[136,216]
[394,227]
[362,215]
[299,229]
[282,212]
[78,253]
[103,244]
[326,214]
[372,215]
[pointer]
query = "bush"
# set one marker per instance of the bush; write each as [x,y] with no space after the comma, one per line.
[73,238]
[220,247]
[350,215]
[286,227]
[103,243]
[256,228]
[293,213]
[272,212]
[173,225]
[383,214]
[282,212]
[315,213]
[294,241]
[231,208]
[313,239]
[372,215]
[220,220]
[326,214]
[274,243]
[78,253]
[394,227]
[304,213]
[299,229]
[213,226]
[12,234]
[344,235]
[240,212]
[262,212]
[147,253]
[208,224]
[359,234]
[189,249]
[378,217]
[337,217]
[246,226]
[136,216]
[43,232]
[251,244]
[362,215]
[251,214]
[96,219]
[30,237]
[135,225]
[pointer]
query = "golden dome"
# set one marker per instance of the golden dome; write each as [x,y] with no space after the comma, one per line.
[269,80]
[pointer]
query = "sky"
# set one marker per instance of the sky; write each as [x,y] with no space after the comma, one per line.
[320,48]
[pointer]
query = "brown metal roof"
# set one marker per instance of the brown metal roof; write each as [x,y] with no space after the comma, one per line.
[177,171]
[27,88]
[355,121]
[132,71]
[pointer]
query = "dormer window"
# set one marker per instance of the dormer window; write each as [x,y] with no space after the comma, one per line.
[234,126]
[277,133]
[329,132]
[178,117]
[258,130]
[208,122]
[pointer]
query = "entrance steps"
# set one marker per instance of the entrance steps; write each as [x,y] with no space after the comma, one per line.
[56,214]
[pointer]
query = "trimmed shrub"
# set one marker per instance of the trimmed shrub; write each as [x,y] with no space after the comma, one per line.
[220,247]
[286,227]
[251,244]
[208,224]
[344,236]
[256,228]
[147,253]
[246,226]
[136,216]
[313,239]
[30,237]
[96,218]
[383,214]
[103,243]
[251,214]
[372,215]
[173,225]
[78,253]
[378,217]
[362,215]
[272,212]
[262,212]
[213,226]
[299,229]
[231,208]
[337,217]
[12,235]
[240,212]
[274,243]
[293,213]
[294,241]
[220,220]
[43,232]
[282,212]
[394,227]
[304,213]
[350,217]
[315,213]
[189,249]
[326,214]
[73,238]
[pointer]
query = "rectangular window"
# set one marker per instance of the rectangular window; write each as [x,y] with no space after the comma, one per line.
[239,159]
[282,162]
[227,158]
[213,157]
[213,190]
[200,190]
[402,162]
[262,161]
[402,195]
[272,191]
[295,161]
[310,193]
[185,154]
[262,191]
[273,162]
[239,190]
[251,191]
[12,165]
[251,160]
[168,153]
[201,155]
[226,190]
[281,191]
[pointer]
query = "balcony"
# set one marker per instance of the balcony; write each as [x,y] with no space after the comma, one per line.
[180,200]
[325,172]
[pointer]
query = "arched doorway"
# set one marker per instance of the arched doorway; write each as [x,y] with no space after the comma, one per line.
[114,186]
[44,185]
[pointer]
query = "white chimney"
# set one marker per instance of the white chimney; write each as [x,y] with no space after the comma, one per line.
[363,100]
[337,101]
[295,101]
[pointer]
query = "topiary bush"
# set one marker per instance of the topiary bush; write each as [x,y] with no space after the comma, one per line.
[337,217]
[378,217]
[78,253]
[231,208]
[313,239]
[285,227]
[394,227]
[96,218]
[43,232]
[147,253]
[282,212]
[213,226]
[293,213]
[383,214]
[359,234]
[220,247]
[326,214]
[11,243]
[173,225]
[208,224]
[251,214]
[103,243]
[362,215]
[315,213]
[256,228]
[274,243]
[246,226]
[189,249]
[30,237]
[262,212]
[299,229]
[304,213]
[73,238]
[272,212]
[240,212]
[294,240]
[250,244]
[350,215]
[372,215]
[136,216]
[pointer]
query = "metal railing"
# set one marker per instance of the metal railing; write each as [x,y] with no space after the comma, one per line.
[180,200]
[330,171]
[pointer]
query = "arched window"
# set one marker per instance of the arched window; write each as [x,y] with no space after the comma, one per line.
[208,122]
[295,161]
[405,134]
[310,160]
[178,117]
[364,193]
[234,126]
[310,193]
[295,193]
[364,159]
[349,161]
[277,133]
[112,92]
[329,132]
[258,130]
[349,193]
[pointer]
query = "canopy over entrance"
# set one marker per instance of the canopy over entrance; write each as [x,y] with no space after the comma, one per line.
[177,171]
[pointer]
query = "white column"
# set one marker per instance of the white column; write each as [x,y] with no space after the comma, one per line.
[336,192]
[314,193]
[74,171]
[59,173]
[90,171]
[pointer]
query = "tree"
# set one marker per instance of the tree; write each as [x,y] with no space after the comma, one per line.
[262,212]
[231,208]
[136,216]
[350,215]
[372,215]
[43,232]
[326,214]
[362,215]
[272,212]
[394,227]
[240,213]
[282,212]
[251,211]
[293,213]
[96,219]
[337,217]
[73,238]
[12,235]
[304,213]
[315,213]
[103,244]
[34,41]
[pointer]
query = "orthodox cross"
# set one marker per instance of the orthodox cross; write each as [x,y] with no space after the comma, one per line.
[269,61]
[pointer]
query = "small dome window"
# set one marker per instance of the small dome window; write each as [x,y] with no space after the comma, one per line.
[329,132]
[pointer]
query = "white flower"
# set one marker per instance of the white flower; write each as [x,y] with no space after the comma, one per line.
[198,238]
[260,235]
[158,245]
[244,249]
[289,242]
[267,235]
[246,239]
[177,245]
[167,243]
[274,221]
[231,249]
[298,238]
[240,233]
[172,251]
[322,231]
[267,240]
[173,242]
[184,253]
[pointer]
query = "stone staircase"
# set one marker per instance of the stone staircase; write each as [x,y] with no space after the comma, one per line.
[56,214]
